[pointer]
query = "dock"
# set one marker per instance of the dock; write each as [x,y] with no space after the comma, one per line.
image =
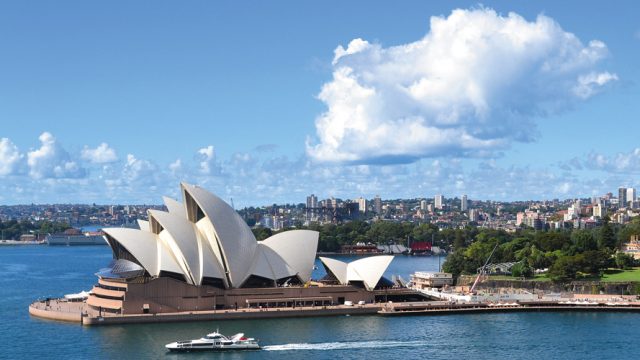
[445,308]
[79,312]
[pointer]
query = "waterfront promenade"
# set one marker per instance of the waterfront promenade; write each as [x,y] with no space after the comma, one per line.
[56,309]
[60,310]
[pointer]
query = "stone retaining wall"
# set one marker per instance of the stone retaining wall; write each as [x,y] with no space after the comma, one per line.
[577,287]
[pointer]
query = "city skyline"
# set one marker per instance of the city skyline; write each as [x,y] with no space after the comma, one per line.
[533,102]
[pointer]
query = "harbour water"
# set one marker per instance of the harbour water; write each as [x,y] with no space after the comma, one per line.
[29,272]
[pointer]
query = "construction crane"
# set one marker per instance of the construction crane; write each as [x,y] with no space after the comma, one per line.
[483,269]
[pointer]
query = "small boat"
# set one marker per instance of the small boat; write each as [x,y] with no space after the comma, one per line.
[215,342]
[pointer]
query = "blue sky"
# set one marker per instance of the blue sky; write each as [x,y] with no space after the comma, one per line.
[268,102]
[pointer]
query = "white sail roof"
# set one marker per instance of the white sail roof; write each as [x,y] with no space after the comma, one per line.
[211,266]
[180,235]
[174,207]
[337,268]
[143,225]
[369,270]
[233,234]
[142,245]
[297,248]
[205,237]
[268,264]
[166,259]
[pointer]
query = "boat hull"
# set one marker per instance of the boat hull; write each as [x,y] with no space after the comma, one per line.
[212,349]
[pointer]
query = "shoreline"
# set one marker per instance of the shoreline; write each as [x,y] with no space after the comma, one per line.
[21,243]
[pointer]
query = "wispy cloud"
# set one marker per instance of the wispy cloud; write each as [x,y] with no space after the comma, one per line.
[100,155]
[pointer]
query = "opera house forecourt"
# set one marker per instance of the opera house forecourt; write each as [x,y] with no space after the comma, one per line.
[200,260]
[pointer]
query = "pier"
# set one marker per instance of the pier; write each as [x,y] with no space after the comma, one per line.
[445,307]
[79,312]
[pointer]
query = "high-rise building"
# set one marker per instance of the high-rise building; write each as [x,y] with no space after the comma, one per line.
[577,205]
[312,201]
[362,204]
[439,201]
[622,197]
[631,194]
[423,205]
[473,215]
[463,203]
[597,210]
[377,203]
[312,206]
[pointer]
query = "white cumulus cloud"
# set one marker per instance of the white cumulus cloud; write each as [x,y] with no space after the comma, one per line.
[471,86]
[207,160]
[101,155]
[51,160]
[10,157]
[139,171]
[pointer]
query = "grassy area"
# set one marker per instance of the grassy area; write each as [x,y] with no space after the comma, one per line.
[613,275]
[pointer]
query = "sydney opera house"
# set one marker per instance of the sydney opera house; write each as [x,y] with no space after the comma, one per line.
[201,255]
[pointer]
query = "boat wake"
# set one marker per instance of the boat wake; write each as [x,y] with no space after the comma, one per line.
[344,345]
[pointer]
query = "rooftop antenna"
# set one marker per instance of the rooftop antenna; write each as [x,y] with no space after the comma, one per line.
[232,206]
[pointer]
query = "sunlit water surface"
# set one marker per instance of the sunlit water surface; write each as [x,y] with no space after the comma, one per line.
[31,272]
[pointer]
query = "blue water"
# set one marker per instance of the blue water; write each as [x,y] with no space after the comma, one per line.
[38,271]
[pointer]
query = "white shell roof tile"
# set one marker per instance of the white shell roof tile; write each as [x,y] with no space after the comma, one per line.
[236,239]
[142,245]
[368,270]
[181,232]
[174,207]
[143,225]
[297,248]
[197,250]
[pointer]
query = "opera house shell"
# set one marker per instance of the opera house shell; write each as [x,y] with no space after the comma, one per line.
[200,254]
[205,241]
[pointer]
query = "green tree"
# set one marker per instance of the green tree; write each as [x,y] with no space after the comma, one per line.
[624,261]
[606,236]
[261,232]
[459,241]
[522,269]
[583,240]
[455,263]
[565,268]
[594,261]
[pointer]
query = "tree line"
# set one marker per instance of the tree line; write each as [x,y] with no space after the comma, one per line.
[12,229]
[567,254]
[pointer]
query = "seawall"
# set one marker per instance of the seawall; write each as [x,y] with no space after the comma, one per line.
[575,287]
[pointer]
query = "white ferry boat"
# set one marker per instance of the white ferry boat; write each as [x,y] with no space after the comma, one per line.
[215,342]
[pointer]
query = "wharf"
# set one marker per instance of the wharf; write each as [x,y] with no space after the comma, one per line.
[446,308]
[79,312]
